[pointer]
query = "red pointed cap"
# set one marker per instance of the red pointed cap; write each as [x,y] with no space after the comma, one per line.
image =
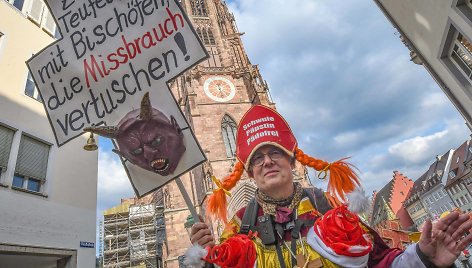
[260,126]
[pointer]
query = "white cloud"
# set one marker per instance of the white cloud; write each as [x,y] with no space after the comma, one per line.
[343,80]
[417,149]
[113,184]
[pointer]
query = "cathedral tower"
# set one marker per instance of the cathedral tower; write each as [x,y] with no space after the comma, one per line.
[214,96]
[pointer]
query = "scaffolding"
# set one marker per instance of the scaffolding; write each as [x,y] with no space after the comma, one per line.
[129,233]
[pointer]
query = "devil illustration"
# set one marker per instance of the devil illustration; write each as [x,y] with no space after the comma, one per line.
[147,138]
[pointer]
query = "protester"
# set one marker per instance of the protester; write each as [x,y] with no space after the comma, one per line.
[288,226]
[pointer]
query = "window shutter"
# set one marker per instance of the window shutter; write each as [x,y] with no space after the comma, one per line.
[36,10]
[32,158]
[49,23]
[6,137]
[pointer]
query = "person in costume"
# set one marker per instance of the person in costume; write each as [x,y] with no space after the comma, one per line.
[286,225]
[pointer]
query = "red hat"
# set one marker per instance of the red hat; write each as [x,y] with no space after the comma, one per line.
[260,126]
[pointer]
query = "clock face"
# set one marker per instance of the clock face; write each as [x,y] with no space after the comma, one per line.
[219,89]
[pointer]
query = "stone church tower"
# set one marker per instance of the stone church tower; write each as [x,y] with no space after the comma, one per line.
[214,96]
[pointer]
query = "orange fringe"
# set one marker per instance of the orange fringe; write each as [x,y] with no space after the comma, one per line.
[217,203]
[342,178]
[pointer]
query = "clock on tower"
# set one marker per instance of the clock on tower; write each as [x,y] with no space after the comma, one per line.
[219,89]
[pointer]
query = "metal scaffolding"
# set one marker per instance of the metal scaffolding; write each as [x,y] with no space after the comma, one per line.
[130,231]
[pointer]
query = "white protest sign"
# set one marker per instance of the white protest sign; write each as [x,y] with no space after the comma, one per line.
[111,53]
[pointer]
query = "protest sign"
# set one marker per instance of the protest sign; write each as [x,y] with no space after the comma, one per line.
[111,53]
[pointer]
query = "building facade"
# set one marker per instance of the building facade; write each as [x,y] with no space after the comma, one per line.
[388,203]
[48,195]
[214,96]
[459,177]
[428,198]
[438,34]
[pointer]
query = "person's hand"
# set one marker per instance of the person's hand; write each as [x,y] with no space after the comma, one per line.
[201,234]
[443,241]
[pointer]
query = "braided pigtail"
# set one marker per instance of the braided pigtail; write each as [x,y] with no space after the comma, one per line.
[217,201]
[342,178]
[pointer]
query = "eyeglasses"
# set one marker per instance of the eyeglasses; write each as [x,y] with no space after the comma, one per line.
[258,159]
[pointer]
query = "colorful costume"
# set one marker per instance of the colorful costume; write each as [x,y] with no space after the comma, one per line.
[377,255]
[310,228]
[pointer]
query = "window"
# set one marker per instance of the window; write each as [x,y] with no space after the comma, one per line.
[6,138]
[452,174]
[31,165]
[206,35]
[461,55]
[440,193]
[467,196]
[436,196]
[38,13]
[198,8]
[228,128]
[431,200]
[31,89]
[17,3]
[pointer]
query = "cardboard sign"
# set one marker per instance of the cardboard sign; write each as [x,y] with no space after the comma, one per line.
[111,53]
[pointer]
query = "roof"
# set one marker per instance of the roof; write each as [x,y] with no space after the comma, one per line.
[458,163]
[430,179]
[378,211]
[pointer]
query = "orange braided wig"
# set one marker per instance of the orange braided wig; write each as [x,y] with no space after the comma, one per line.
[342,178]
[217,203]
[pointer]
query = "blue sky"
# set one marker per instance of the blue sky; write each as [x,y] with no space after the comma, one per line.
[343,80]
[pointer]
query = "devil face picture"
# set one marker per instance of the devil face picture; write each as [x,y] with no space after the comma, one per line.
[147,138]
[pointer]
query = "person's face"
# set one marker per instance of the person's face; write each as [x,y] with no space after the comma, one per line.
[273,177]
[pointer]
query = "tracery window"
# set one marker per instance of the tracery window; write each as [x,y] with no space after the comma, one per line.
[206,35]
[198,8]
[228,128]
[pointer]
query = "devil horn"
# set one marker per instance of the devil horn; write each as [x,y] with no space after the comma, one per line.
[105,131]
[146,112]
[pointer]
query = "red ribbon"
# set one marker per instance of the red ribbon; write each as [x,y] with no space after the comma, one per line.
[339,229]
[237,251]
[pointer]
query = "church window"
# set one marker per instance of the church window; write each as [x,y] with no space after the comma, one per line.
[207,37]
[198,8]
[206,40]
[214,60]
[228,128]
[211,38]
[199,33]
